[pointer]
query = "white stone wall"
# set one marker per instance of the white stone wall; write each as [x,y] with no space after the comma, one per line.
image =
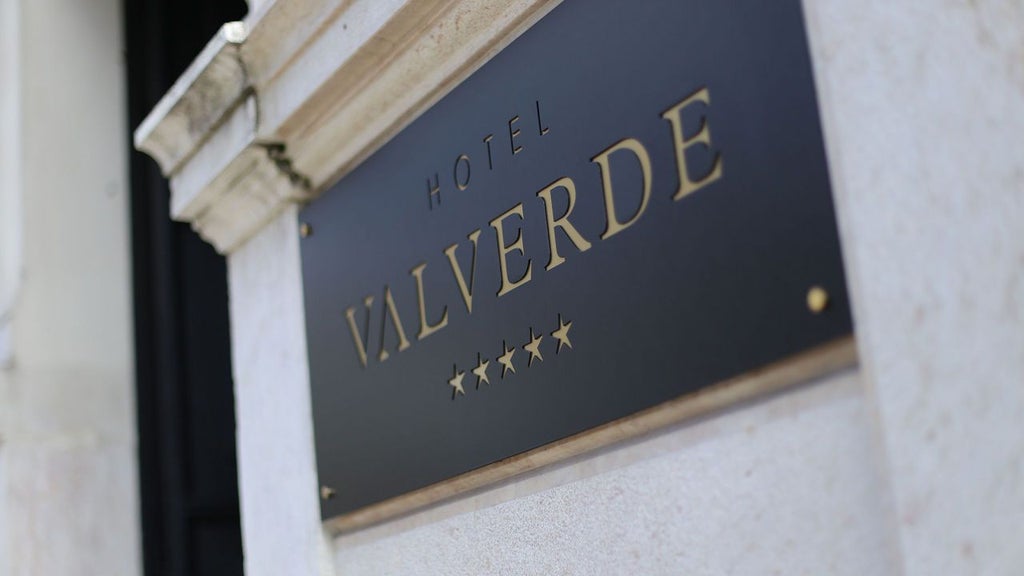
[924,112]
[912,463]
[276,465]
[789,485]
[10,171]
[68,473]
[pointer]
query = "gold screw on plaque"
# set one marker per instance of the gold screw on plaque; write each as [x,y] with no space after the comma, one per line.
[817,299]
[305,230]
[326,492]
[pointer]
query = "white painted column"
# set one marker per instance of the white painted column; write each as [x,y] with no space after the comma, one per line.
[68,465]
[276,461]
[10,225]
[924,115]
[10,170]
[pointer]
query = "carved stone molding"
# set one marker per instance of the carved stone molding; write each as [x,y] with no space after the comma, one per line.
[203,134]
[278,107]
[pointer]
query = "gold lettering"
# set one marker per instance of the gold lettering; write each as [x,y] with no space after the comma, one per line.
[562,221]
[465,184]
[391,311]
[490,162]
[503,250]
[512,136]
[434,190]
[425,328]
[703,136]
[631,144]
[467,293]
[361,342]
[541,128]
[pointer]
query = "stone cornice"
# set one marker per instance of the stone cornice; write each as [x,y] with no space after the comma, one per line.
[278,107]
[213,84]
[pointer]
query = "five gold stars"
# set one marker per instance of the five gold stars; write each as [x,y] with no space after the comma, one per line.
[533,347]
[562,334]
[456,382]
[506,360]
[481,371]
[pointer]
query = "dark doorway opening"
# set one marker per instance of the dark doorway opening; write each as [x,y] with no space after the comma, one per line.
[186,419]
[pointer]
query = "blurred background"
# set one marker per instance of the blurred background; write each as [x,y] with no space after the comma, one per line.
[116,411]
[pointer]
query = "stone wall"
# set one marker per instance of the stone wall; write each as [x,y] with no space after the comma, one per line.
[68,466]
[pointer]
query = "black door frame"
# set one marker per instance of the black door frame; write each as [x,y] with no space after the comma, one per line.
[184,396]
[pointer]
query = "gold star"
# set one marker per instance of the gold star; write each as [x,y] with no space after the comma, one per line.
[562,334]
[533,347]
[481,371]
[506,360]
[456,382]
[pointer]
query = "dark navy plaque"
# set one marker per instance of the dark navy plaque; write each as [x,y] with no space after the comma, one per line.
[627,205]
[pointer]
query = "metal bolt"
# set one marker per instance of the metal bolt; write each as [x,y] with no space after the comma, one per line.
[326,492]
[817,299]
[305,230]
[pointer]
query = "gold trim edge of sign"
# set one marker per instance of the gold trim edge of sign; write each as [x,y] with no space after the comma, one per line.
[811,364]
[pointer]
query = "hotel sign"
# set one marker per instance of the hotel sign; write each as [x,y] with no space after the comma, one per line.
[626,206]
